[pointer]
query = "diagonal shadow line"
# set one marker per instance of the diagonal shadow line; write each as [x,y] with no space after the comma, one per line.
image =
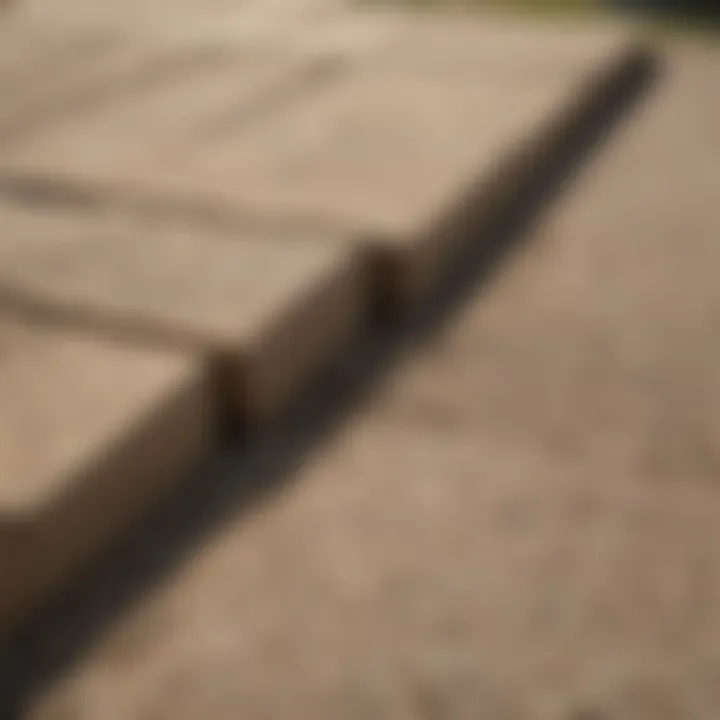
[243,476]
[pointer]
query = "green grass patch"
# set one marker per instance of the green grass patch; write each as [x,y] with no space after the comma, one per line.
[659,26]
[534,6]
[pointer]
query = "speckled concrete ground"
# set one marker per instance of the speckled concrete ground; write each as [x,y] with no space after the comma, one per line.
[521,523]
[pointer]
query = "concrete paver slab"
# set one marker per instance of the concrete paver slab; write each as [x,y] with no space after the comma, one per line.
[169,84]
[409,155]
[91,434]
[269,309]
[46,74]
[170,16]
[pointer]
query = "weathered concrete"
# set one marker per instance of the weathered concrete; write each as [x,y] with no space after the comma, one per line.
[598,343]
[523,523]
[91,434]
[163,16]
[46,73]
[412,152]
[169,84]
[268,309]
[414,571]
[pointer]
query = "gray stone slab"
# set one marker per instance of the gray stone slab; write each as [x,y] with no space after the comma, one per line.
[91,435]
[411,151]
[268,309]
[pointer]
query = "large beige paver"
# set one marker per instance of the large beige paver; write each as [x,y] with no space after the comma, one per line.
[154,87]
[46,73]
[268,308]
[91,435]
[155,114]
[161,16]
[523,522]
[412,157]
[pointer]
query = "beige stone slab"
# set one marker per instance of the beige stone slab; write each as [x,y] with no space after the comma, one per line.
[46,74]
[494,46]
[151,118]
[408,569]
[49,75]
[599,341]
[155,90]
[403,133]
[269,308]
[163,17]
[412,156]
[91,435]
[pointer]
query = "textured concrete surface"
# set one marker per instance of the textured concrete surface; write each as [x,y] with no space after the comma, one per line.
[268,310]
[413,574]
[57,61]
[521,524]
[402,146]
[143,100]
[46,72]
[159,13]
[90,433]
[599,341]
[238,21]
